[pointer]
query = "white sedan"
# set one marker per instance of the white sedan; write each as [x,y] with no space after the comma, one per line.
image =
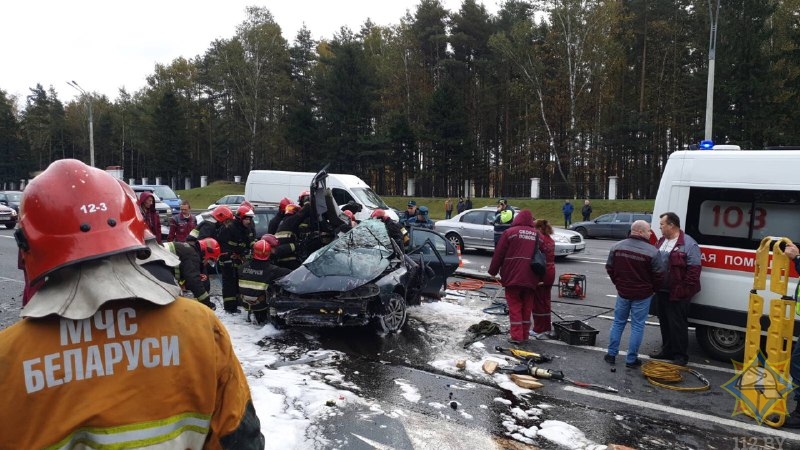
[473,229]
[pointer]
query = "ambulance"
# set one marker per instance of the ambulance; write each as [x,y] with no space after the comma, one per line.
[728,201]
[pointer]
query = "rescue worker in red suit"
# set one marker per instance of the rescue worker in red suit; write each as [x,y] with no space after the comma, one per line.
[255,277]
[148,205]
[542,309]
[235,240]
[511,259]
[68,381]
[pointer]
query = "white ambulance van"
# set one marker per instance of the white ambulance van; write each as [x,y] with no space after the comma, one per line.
[270,186]
[728,201]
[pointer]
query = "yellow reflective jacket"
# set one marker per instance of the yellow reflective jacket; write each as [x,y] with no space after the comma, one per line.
[133,375]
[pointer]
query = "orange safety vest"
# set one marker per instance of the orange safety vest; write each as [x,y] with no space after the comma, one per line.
[133,375]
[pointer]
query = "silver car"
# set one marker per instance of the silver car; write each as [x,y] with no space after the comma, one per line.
[474,229]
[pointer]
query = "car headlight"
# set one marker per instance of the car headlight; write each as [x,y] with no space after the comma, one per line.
[13,213]
[560,238]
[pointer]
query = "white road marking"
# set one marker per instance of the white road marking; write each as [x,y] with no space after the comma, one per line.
[11,279]
[686,413]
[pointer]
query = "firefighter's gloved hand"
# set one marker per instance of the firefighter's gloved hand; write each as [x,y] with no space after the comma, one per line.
[328,193]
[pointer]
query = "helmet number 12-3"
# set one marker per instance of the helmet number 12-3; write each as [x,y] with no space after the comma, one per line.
[92,208]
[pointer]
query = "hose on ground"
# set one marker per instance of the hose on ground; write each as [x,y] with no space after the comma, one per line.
[660,373]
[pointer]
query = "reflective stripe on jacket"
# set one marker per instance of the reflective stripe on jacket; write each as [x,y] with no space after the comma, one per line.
[133,375]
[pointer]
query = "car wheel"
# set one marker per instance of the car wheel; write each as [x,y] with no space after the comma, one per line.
[396,315]
[720,343]
[10,225]
[455,240]
[582,231]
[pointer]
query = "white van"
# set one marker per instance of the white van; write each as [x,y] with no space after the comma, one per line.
[270,186]
[729,201]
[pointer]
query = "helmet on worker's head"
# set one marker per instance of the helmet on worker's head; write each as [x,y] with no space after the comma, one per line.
[378,214]
[282,205]
[261,250]
[350,214]
[244,211]
[271,240]
[248,204]
[222,213]
[209,249]
[291,208]
[304,197]
[422,211]
[74,213]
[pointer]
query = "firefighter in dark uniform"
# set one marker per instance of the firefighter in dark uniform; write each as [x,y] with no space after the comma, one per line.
[397,232]
[288,236]
[190,273]
[235,240]
[220,216]
[255,277]
[272,227]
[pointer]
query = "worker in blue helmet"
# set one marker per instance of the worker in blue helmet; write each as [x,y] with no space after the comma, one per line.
[502,218]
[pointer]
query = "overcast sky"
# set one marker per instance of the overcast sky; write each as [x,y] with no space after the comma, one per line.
[105,45]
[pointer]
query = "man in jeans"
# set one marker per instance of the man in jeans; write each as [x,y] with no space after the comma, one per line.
[637,272]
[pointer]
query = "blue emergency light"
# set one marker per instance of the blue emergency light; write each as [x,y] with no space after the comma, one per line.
[707,145]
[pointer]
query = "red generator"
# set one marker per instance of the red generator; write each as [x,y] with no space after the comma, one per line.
[572,285]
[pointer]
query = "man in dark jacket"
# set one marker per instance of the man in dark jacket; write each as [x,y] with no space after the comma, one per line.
[680,254]
[637,272]
[512,256]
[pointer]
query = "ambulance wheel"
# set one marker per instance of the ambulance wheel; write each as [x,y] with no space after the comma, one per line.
[393,320]
[720,343]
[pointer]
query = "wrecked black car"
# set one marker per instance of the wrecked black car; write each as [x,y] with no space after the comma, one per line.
[364,278]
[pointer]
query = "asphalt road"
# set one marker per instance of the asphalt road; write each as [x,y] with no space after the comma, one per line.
[640,415]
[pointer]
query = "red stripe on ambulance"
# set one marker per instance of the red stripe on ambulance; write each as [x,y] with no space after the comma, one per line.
[733,259]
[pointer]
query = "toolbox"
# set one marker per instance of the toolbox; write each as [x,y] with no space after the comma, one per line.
[575,332]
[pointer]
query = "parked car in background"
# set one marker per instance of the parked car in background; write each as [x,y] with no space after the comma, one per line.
[165,193]
[11,199]
[231,201]
[474,229]
[614,225]
[8,216]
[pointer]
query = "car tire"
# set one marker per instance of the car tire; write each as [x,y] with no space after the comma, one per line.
[10,225]
[582,231]
[720,343]
[395,317]
[455,240]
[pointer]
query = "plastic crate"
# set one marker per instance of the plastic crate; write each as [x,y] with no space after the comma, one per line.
[575,332]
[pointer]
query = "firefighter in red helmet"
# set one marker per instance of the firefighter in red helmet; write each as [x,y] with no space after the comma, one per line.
[235,240]
[255,277]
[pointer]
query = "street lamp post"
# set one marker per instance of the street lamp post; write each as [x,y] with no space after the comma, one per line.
[91,121]
[713,16]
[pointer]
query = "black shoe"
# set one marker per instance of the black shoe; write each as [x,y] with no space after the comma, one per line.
[210,304]
[660,355]
[514,341]
[635,364]
[610,359]
[232,311]
[680,361]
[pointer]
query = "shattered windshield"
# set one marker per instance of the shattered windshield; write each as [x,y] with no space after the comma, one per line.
[362,252]
[357,257]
